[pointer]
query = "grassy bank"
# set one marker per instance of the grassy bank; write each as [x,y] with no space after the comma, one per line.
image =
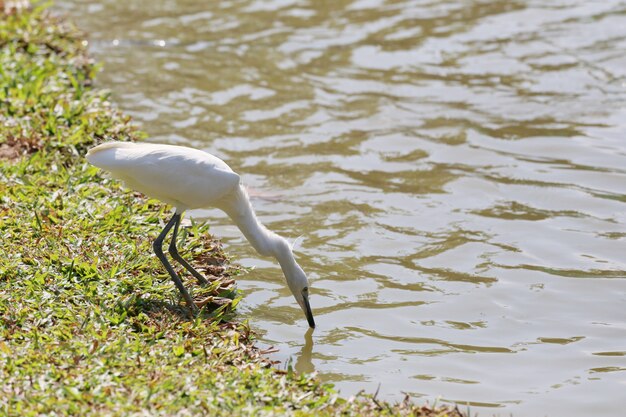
[90,324]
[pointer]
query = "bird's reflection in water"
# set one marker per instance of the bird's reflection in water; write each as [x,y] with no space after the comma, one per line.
[303,361]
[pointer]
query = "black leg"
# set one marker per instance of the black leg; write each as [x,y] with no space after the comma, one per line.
[158,250]
[174,252]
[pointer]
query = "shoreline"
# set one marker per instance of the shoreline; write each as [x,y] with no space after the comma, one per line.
[91,323]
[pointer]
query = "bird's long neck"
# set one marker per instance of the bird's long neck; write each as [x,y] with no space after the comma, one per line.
[264,241]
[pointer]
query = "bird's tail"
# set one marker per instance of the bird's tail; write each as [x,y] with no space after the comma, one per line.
[107,145]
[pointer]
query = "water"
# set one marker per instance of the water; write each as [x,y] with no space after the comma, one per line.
[457,170]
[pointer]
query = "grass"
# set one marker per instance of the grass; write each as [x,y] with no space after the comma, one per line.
[90,324]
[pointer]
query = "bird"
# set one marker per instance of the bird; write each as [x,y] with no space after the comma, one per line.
[188,178]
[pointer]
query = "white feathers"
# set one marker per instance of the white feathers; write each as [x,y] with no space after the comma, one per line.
[296,242]
[183,177]
[188,179]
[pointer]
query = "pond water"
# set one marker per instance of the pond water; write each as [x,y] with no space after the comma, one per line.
[457,170]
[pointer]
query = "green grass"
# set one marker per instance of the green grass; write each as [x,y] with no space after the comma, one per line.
[90,324]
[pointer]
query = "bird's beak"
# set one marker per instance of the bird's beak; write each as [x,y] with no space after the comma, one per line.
[307,309]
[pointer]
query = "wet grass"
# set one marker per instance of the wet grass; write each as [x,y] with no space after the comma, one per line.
[90,324]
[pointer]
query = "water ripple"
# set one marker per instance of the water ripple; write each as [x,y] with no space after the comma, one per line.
[456,168]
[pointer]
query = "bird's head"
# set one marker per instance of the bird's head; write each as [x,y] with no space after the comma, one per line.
[299,286]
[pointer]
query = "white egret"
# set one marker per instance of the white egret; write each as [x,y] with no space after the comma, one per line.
[189,178]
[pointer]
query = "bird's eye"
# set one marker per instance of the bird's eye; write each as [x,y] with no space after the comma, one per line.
[305,290]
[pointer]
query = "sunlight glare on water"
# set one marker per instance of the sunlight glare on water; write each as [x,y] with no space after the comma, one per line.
[457,169]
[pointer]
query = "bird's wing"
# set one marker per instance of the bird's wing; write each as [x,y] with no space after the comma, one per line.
[184,177]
